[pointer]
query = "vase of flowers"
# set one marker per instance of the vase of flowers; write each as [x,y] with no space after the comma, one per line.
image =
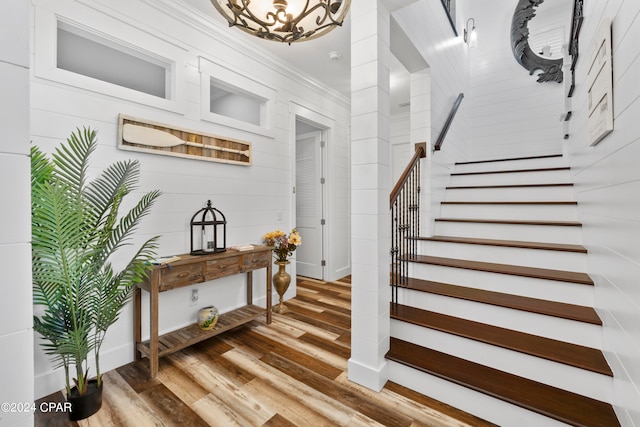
[283,247]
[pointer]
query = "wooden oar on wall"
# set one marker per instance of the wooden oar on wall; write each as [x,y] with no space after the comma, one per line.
[151,137]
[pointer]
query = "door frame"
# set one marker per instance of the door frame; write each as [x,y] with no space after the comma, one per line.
[325,125]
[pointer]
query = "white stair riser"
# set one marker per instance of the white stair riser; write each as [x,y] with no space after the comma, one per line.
[537,177]
[571,293]
[586,383]
[481,405]
[547,162]
[555,260]
[579,333]
[511,194]
[505,211]
[527,233]
[538,369]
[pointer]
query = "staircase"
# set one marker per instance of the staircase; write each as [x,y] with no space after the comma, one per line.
[496,313]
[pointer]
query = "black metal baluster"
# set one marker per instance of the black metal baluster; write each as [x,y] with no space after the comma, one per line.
[405,223]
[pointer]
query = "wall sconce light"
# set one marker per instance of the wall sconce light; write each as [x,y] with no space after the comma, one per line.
[471,36]
[208,231]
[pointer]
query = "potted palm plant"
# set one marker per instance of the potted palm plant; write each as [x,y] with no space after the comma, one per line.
[76,230]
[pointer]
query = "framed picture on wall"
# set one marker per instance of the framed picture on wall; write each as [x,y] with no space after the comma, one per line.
[600,85]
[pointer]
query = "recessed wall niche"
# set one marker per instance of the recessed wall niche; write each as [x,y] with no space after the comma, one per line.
[230,102]
[93,56]
[236,100]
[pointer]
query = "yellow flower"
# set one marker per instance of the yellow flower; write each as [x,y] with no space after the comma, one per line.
[294,239]
[273,234]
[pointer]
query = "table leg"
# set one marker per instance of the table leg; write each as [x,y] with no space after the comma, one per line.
[269,275]
[153,338]
[137,322]
[249,287]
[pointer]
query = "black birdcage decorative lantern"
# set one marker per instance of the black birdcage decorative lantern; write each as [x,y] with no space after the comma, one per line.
[208,231]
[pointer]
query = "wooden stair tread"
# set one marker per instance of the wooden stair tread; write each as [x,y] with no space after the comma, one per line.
[474,187]
[558,351]
[511,221]
[552,402]
[508,243]
[508,159]
[515,270]
[562,310]
[561,168]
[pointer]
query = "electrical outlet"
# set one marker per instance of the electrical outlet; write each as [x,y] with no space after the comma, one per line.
[194,297]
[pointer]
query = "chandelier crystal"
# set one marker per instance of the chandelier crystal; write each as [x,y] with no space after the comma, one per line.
[285,21]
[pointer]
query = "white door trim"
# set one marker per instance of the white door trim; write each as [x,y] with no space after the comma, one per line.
[327,125]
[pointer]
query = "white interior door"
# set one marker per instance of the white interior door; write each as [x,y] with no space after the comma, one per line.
[309,205]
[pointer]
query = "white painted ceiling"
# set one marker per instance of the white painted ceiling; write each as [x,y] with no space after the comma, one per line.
[313,57]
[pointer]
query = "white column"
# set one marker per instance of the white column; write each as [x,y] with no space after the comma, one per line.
[370,169]
[16,307]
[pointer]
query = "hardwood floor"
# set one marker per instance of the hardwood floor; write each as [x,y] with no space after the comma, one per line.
[290,373]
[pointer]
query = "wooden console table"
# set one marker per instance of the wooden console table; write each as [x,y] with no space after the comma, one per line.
[189,270]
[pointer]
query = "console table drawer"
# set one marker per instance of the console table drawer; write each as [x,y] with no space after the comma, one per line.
[256,260]
[221,267]
[180,275]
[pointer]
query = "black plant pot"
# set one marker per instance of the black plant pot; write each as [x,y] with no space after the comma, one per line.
[86,405]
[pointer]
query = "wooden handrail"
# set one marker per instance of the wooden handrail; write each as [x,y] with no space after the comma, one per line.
[419,154]
[447,124]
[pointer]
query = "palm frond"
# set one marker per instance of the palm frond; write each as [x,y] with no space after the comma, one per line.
[57,249]
[116,181]
[72,159]
[119,235]
[116,290]
[41,167]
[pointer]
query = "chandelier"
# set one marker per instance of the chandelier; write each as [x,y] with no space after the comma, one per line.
[285,21]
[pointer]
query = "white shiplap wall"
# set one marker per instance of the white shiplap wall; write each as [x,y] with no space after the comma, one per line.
[401,151]
[252,198]
[426,25]
[607,181]
[509,112]
[16,333]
